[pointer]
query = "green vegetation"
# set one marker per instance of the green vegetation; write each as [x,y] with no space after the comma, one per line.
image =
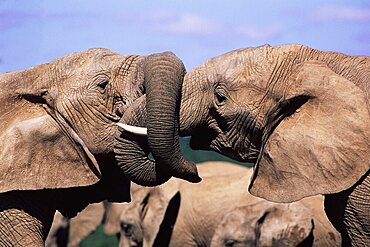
[201,156]
[100,239]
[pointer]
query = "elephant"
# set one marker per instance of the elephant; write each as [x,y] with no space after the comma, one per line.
[178,213]
[300,115]
[205,169]
[59,136]
[301,223]
[70,232]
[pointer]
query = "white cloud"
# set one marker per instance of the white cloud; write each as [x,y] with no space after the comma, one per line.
[259,33]
[184,24]
[342,13]
[190,24]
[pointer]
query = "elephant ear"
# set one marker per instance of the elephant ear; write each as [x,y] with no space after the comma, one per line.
[281,226]
[321,144]
[35,152]
[161,211]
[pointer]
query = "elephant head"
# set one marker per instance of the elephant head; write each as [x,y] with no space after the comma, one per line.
[300,114]
[263,224]
[58,120]
[149,219]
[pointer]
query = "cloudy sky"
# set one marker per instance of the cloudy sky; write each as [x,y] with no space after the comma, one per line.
[37,31]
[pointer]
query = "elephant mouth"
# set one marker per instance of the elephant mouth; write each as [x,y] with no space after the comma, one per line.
[202,140]
[208,139]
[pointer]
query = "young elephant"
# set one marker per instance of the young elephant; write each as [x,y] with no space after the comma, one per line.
[205,169]
[301,115]
[59,144]
[70,232]
[301,223]
[182,214]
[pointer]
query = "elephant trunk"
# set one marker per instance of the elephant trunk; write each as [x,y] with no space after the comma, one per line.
[194,106]
[163,74]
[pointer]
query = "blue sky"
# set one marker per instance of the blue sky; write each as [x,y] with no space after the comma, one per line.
[37,31]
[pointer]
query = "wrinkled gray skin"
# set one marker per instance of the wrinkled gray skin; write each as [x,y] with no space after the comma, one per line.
[301,223]
[58,134]
[182,214]
[300,114]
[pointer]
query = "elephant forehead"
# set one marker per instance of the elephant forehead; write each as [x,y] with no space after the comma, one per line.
[129,215]
[85,62]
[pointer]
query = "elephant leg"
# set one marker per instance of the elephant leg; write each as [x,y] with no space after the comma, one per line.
[25,217]
[357,213]
[349,212]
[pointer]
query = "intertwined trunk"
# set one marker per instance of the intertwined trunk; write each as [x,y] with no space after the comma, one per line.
[159,110]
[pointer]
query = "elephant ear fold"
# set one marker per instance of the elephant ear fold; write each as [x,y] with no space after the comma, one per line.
[321,142]
[35,153]
[161,214]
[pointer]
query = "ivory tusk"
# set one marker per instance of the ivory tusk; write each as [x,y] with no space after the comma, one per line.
[141,131]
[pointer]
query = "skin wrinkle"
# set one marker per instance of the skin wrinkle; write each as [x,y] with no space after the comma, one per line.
[71,116]
[28,229]
[357,211]
[189,93]
[93,117]
[162,67]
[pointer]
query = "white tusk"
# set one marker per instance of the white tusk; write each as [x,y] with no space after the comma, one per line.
[141,131]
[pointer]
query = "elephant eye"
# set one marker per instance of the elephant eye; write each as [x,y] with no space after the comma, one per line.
[126,229]
[103,84]
[220,97]
[230,243]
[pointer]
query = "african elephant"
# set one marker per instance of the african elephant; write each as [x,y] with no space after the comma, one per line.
[183,214]
[59,135]
[264,223]
[70,232]
[300,114]
[205,169]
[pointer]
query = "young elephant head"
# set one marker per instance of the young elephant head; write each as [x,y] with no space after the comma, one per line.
[149,219]
[263,224]
[300,114]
